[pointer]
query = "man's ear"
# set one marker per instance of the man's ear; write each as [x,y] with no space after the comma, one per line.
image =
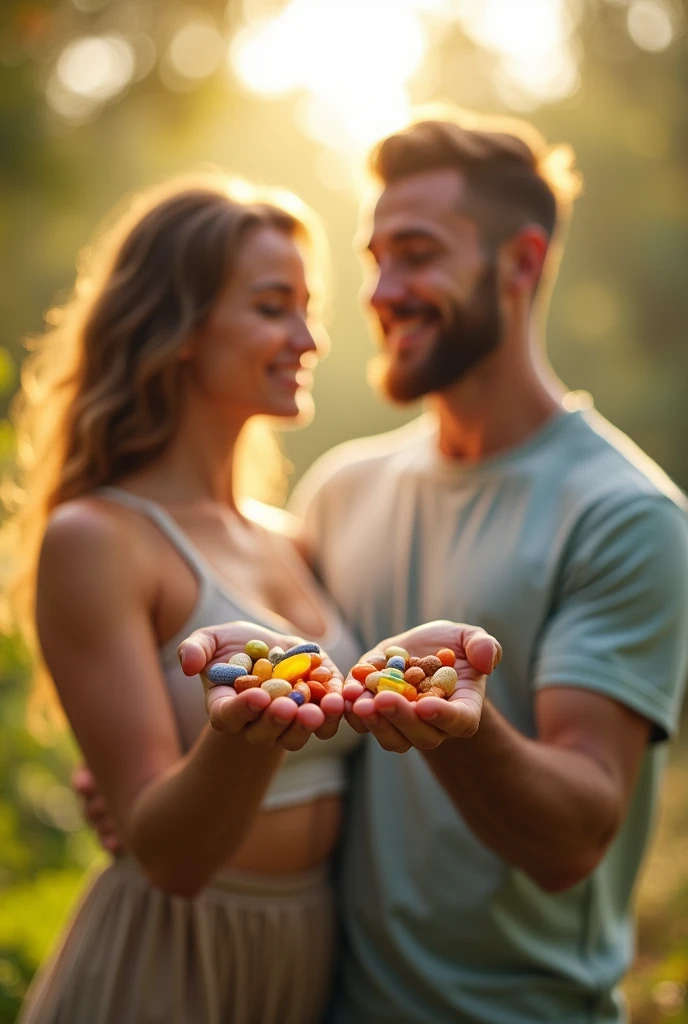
[522,257]
[185,351]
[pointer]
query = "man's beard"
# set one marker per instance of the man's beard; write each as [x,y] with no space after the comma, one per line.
[472,334]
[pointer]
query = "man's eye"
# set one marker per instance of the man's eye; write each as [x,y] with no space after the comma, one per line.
[418,257]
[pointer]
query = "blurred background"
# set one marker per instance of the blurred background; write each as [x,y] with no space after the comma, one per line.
[100,97]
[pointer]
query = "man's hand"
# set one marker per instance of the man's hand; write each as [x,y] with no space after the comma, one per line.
[264,722]
[95,810]
[398,724]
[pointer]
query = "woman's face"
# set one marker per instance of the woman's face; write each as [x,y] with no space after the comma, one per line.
[255,353]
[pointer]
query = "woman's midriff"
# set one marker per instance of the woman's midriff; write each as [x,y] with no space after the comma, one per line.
[291,839]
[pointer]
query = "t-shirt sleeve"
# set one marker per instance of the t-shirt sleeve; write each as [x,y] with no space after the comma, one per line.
[619,625]
[307,503]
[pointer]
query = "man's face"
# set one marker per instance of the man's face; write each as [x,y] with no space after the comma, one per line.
[433,288]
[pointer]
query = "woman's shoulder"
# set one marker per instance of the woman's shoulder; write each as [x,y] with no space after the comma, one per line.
[97,539]
[270,517]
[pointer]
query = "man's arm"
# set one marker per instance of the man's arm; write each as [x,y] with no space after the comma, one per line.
[550,805]
[610,667]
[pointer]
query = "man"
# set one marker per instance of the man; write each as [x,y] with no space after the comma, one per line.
[488,879]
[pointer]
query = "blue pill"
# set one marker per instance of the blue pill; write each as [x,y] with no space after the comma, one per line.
[226,674]
[396,662]
[299,649]
[297,697]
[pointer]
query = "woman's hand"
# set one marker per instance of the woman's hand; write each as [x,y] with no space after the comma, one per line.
[264,722]
[399,724]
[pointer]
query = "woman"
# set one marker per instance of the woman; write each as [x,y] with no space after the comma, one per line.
[195,321]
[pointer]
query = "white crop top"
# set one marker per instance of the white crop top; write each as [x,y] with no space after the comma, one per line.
[318,768]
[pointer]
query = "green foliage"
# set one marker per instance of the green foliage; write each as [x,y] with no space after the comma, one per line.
[44,848]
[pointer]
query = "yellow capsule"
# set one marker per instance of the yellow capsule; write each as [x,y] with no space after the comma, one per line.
[398,686]
[292,668]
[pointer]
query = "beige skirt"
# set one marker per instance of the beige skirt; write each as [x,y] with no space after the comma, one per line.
[250,949]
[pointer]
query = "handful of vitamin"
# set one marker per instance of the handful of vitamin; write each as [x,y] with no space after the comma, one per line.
[297,673]
[413,678]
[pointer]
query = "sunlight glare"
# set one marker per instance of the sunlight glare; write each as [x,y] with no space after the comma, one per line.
[649,25]
[354,88]
[96,67]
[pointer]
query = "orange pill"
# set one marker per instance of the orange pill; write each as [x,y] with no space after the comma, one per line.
[319,675]
[316,660]
[430,664]
[378,661]
[434,691]
[361,671]
[246,683]
[447,657]
[413,662]
[304,689]
[414,676]
[317,689]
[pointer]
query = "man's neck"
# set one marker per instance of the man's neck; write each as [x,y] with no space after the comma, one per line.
[496,408]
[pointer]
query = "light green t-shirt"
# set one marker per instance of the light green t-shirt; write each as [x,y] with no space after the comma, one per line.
[571,549]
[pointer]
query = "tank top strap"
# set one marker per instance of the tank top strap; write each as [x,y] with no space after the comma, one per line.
[165,523]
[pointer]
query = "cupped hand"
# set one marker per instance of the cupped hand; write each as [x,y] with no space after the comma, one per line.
[263,722]
[399,724]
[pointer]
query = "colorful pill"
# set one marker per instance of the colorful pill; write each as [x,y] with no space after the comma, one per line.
[360,671]
[372,680]
[378,661]
[434,691]
[226,674]
[292,668]
[242,659]
[396,652]
[396,662]
[247,683]
[405,689]
[393,673]
[447,657]
[318,691]
[274,654]
[297,697]
[262,668]
[300,649]
[256,649]
[446,679]
[276,688]
[320,675]
[414,676]
[304,689]
[430,664]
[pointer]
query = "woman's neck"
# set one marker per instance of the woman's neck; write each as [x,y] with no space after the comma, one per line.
[198,463]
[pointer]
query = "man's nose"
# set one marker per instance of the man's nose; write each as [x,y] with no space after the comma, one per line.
[389,289]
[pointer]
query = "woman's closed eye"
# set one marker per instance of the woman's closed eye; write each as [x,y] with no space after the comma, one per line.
[272,310]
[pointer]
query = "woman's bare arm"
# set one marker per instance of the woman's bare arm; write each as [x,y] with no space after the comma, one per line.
[181,816]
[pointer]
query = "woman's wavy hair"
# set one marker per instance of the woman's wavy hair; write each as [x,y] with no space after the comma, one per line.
[101,389]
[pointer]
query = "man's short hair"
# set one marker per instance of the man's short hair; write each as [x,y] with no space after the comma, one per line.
[512,176]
